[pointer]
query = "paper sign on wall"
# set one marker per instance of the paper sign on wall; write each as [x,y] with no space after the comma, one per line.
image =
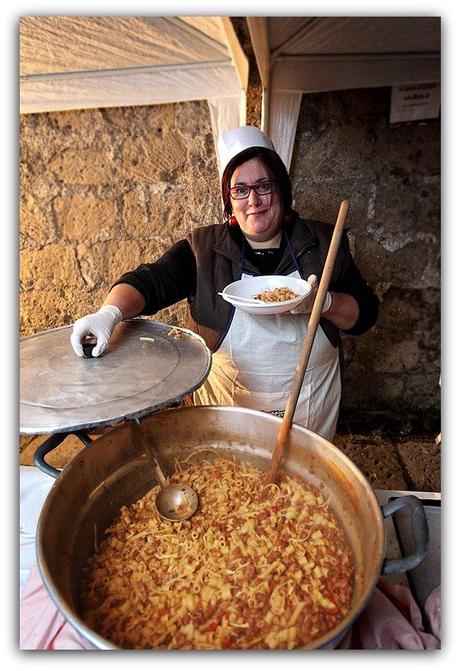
[411,102]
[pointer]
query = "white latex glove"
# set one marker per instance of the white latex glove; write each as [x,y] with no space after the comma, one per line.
[99,324]
[307,304]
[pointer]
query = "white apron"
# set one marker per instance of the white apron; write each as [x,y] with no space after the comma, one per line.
[255,365]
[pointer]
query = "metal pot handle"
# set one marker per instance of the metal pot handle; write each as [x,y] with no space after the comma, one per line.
[419,530]
[50,444]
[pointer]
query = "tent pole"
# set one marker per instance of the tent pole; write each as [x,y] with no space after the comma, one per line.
[240,62]
[258,30]
[265,107]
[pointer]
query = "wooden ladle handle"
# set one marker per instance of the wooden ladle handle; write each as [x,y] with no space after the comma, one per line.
[314,320]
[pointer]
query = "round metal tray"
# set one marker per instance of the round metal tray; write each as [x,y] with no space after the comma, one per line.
[62,392]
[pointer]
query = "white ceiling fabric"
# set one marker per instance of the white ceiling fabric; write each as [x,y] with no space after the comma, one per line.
[51,44]
[353,35]
[130,86]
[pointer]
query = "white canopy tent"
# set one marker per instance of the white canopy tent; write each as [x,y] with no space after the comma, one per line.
[297,55]
[87,62]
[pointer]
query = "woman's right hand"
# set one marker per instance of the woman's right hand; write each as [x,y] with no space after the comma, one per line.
[99,324]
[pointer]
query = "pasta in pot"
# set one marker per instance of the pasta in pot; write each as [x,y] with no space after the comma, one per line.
[258,566]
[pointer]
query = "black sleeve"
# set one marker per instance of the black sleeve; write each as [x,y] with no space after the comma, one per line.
[350,281]
[166,281]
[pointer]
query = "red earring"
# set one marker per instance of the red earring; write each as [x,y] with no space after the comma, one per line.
[287,217]
[232,220]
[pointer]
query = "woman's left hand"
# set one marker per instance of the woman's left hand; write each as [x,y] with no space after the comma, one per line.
[305,307]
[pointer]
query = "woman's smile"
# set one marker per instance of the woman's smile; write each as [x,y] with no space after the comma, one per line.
[257,213]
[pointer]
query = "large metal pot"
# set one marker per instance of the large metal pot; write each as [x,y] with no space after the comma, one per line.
[111,472]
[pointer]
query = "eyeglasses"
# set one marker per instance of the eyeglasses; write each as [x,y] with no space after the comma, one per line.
[241,191]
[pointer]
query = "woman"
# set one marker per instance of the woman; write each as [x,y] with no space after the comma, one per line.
[254,357]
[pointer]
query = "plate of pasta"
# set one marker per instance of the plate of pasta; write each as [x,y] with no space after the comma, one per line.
[266,294]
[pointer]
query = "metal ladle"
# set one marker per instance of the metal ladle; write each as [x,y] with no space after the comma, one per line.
[174,502]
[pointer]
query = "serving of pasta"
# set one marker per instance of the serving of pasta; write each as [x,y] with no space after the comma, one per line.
[276,295]
[258,566]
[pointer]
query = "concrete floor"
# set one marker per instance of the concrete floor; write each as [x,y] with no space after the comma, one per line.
[411,463]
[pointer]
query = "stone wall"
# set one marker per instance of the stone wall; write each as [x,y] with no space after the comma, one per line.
[103,190]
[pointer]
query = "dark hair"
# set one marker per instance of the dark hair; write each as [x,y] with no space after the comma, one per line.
[275,168]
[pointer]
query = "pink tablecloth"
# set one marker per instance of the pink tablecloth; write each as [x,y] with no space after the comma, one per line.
[392,620]
[41,625]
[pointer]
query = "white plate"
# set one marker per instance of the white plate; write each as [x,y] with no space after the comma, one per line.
[249,287]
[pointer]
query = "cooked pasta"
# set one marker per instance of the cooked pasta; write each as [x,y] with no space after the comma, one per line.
[276,295]
[258,566]
[175,333]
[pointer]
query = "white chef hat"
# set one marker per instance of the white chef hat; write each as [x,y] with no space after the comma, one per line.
[232,142]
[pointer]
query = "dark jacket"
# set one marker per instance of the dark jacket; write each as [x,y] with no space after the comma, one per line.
[213,256]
